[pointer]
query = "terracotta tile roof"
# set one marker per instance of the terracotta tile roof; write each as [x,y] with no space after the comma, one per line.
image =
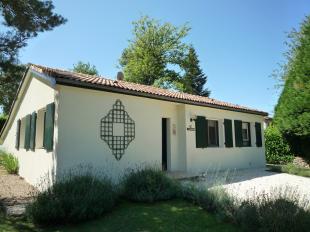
[79,79]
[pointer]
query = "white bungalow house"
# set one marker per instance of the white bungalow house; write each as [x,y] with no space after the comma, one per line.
[61,119]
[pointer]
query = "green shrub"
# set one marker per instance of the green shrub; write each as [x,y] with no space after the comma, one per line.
[277,149]
[247,216]
[9,162]
[148,184]
[73,199]
[274,213]
[283,215]
[215,200]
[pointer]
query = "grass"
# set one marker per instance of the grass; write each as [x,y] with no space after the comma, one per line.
[290,168]
[174,215]
[9,162]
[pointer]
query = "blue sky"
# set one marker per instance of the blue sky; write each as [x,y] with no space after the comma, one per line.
[239,42]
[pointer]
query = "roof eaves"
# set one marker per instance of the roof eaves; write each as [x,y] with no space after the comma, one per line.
[81,84]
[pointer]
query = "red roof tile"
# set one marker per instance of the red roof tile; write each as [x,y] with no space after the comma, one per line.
[132,88]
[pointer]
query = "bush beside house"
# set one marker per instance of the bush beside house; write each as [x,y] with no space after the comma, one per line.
[148,185]
[79,198]
[73,199]
[277,149]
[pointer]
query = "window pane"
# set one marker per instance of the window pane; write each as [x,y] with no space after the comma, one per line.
[212,133]
[40,128]
[245,134]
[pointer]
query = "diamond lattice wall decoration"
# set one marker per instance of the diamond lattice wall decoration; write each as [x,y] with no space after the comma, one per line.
[117,129]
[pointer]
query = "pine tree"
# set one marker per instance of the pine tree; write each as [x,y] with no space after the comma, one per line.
[194,79]
[22,20]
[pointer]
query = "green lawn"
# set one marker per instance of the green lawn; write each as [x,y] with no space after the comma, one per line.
[164,216]
[290,168]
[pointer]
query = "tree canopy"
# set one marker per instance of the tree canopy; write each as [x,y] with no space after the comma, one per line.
[85,68]
[157,55]
[292,112]
[22,20]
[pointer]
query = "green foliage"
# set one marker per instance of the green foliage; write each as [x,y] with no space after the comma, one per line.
[193,79]
[291,169]
[10,77]
[22,20]
[277,149]
[9,162]
[3,119]
[73,199]
[214,200]
[174,215]
[292,112]
[148,185]
[153,48]
[158,56]
[85,68]
[277,214]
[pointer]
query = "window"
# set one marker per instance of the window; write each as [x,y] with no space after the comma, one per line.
[212,133]
[206,132]
[40,128]
[246,139]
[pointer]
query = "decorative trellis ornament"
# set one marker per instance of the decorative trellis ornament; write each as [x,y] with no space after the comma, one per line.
[117,129]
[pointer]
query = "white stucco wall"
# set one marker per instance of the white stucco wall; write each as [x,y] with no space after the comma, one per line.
[222,158]
[80,111]
[79,114]
[33,165]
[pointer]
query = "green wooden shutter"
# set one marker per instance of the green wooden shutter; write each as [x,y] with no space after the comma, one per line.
[17,134]
[27,132]
[258,133]
[249,130]
[207,134]
[228,133]
[33,131]
[49,127]
[201,132]
[238,133]
[217,133]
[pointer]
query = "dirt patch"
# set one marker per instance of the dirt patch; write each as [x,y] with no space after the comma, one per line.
[15,192]
[301,162]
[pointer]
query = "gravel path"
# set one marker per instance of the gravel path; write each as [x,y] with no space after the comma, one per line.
[245,184]
[15,193]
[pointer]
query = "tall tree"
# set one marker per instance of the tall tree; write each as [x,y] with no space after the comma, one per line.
[10,77]
[193,79]
[155,47]
[85,68]
[23,20]
[292,112]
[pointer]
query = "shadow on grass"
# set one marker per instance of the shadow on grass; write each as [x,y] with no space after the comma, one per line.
[12,224]
[164,216]
[169,216]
